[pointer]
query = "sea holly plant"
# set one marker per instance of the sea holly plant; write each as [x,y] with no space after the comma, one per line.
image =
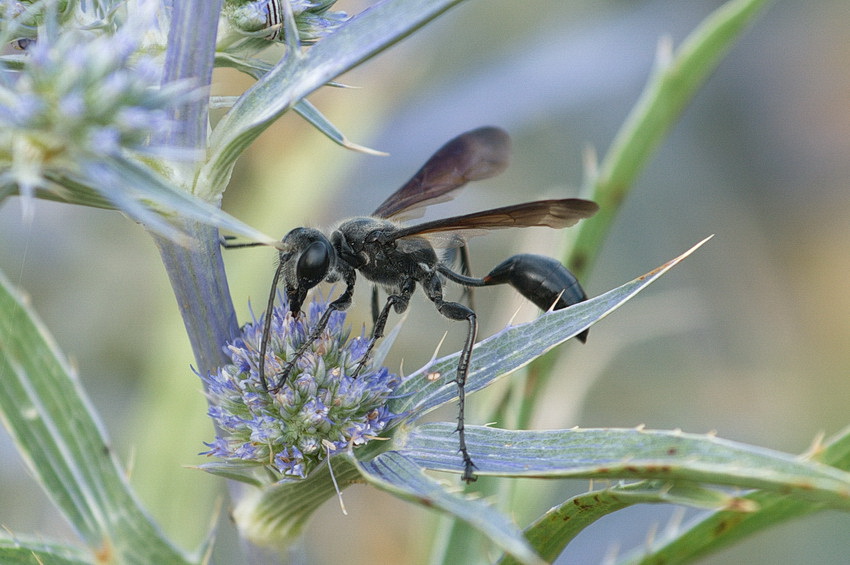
[105,103]
[274,440]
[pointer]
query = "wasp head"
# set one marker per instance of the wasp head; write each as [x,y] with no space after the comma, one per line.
[307,259]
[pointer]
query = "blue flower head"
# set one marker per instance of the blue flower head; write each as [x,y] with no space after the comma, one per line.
[81,94]
[320,408]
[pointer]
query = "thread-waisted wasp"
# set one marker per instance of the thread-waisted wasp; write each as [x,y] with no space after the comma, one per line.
[397,257]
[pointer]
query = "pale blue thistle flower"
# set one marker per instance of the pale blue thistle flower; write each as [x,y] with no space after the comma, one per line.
[319,409]
[80,94]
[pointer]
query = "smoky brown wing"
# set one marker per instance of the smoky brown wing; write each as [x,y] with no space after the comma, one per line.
[547,213]
[478,154]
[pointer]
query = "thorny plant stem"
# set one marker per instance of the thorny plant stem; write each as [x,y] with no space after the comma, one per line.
[196,270]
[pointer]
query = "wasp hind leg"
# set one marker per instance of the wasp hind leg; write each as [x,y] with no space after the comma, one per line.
[457,311]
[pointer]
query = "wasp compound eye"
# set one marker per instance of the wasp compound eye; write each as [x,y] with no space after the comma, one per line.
[313,264]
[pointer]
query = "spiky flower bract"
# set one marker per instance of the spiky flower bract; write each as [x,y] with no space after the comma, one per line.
[320,408]
[265,19]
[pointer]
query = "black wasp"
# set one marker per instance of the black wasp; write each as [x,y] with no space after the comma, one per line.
[398,257]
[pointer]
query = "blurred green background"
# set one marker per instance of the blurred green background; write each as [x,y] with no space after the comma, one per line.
[748,337]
